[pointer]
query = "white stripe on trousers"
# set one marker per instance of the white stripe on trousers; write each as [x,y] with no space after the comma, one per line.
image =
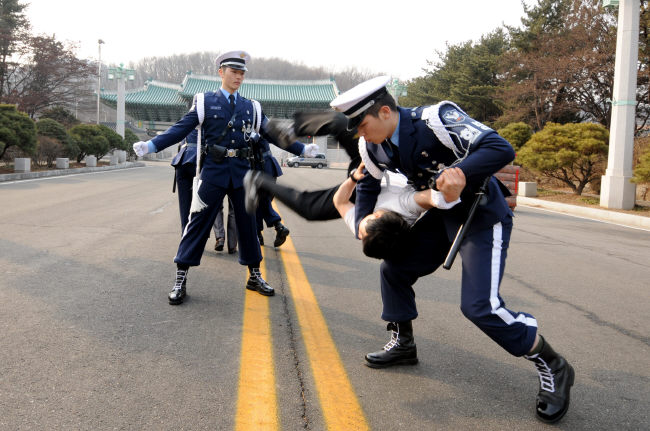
[505,315]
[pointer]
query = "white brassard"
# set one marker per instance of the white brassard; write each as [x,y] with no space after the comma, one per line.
[371,167]
[257,115]
[197,203]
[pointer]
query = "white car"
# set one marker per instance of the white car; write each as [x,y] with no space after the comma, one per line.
[320,161]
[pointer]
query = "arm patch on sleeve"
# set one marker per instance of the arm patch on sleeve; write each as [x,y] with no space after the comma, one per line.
[454,128]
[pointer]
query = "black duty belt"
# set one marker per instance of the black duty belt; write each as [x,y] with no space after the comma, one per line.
[218,153]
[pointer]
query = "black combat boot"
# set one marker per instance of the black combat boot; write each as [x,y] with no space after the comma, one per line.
[400,350]
[257,283]
[178,292]
[556,377]
[281,234]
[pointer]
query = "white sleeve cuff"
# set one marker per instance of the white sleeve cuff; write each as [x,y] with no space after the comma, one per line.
[439,200]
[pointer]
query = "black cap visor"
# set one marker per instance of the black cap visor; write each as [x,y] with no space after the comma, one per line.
[354,122]
[234,63]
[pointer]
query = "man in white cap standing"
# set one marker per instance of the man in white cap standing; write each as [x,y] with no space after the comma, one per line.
[228,129]
[423,143]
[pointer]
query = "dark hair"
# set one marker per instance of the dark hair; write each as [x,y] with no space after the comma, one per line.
[385,236]
[385,100]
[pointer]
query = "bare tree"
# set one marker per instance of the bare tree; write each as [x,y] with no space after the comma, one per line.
[174,68]
[562,65]
[51,75]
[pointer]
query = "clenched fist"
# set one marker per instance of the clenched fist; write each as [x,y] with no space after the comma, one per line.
[141,148]
[451,183]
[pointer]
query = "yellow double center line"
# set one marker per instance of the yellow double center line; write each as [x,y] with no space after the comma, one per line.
[257,403]
[257,407]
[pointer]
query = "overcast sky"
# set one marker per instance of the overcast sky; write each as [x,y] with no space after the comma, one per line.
[394,37]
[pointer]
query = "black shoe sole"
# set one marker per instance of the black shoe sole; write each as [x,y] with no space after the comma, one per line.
[176,302]
[254,289]
[408,361]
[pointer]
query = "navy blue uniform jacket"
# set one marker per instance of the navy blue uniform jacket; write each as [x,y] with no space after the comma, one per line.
[231,170]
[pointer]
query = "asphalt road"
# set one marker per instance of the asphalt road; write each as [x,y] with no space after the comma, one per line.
[89,341]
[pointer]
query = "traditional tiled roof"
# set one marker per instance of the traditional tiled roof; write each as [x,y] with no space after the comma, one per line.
[156,101]
[265,90]
[165,102]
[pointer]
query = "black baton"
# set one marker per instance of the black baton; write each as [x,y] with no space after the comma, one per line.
[462,230]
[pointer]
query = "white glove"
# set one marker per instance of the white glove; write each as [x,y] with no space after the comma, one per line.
[141,148]
[311,150]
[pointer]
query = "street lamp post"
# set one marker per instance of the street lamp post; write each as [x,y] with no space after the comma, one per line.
[121,74]
[99,74]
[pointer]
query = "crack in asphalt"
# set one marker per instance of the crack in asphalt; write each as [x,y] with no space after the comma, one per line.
[292,339]
[551,241]
[588,314]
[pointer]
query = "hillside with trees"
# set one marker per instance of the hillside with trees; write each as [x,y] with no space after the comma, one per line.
[556,69]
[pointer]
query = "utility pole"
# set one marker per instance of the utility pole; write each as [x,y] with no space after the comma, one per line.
[616,190]
[99,74]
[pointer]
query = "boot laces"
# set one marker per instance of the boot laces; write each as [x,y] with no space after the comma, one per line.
[256,273]
[394,336]
[181,274]
[546,378]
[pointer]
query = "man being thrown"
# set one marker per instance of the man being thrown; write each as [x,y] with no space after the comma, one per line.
[385,232]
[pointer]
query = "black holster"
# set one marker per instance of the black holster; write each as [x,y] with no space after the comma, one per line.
[217,152]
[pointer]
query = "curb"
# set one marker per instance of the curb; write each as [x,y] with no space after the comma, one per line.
[624,219]
[60,172]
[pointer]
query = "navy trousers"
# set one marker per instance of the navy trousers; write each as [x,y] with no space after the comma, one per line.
[266,213]
[197,231]
[483,256]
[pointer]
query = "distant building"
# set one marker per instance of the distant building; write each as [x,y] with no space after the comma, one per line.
[159,104]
